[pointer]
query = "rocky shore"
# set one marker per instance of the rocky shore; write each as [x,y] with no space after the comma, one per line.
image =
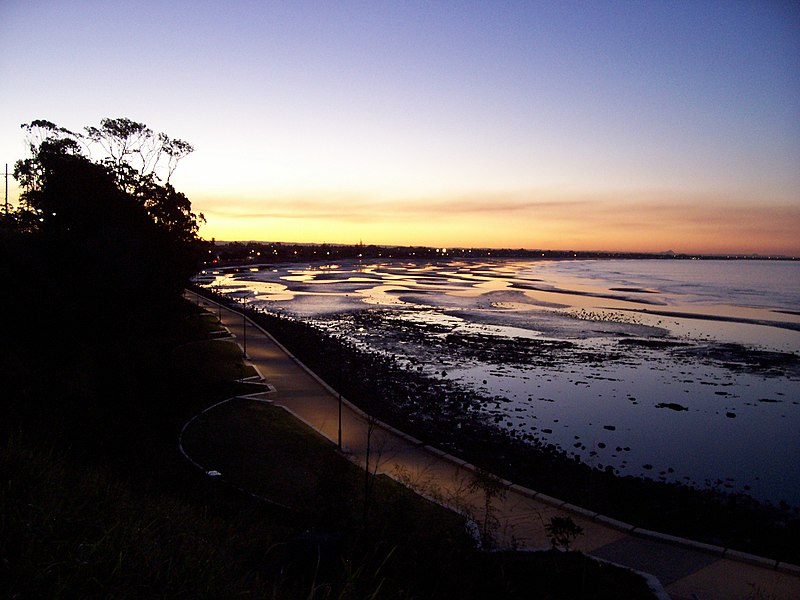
[441,413]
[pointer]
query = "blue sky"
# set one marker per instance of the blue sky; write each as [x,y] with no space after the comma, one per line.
[590,125]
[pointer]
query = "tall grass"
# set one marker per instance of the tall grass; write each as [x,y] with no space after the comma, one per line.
[69,532]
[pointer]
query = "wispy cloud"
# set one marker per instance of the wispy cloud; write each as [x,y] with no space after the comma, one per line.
[365,210]
[652,220]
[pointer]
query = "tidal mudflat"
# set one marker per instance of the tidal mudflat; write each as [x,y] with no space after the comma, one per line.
[679,371]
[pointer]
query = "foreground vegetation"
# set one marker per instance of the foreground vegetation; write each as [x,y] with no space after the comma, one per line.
[105,507]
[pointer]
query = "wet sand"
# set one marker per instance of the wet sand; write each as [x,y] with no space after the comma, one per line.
[557,362]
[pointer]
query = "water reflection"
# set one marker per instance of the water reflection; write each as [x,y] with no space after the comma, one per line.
[623,364]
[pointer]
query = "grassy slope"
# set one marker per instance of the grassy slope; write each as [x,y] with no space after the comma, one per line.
[106,507]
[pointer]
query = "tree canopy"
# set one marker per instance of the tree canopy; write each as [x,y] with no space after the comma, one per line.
[139,162]
[98,207]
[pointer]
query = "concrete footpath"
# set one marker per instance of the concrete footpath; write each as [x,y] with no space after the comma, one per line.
[686,570]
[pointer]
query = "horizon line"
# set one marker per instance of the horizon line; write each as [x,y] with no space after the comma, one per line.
[507,249]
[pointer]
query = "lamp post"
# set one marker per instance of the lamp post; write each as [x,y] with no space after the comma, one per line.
[340,419]
[244,329]
[218,299]
[339,390]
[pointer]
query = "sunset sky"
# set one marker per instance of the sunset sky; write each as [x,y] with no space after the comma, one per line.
[562,125]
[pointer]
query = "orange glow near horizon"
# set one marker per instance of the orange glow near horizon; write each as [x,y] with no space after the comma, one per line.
[697,225]
[537,220]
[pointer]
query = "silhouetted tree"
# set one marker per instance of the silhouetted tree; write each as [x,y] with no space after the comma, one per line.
[132,153]
[491,487]
[133,146]
[105,234]
[92,265]
[563,531]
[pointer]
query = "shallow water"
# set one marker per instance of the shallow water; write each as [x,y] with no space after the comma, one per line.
[676,370]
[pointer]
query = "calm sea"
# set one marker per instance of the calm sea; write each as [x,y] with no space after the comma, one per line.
[764,284]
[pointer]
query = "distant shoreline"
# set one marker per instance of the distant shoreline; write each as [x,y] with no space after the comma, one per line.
[233,253]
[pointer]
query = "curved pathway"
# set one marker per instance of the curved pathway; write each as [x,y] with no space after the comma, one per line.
[686,570]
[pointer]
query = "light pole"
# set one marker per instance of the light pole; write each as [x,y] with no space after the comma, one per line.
[340,398]
[339,349]
[340,419]
[244,329]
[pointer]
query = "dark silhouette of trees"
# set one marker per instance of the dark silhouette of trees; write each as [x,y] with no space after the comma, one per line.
[100,238]
[133,146]
[93,263]
[132,157]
